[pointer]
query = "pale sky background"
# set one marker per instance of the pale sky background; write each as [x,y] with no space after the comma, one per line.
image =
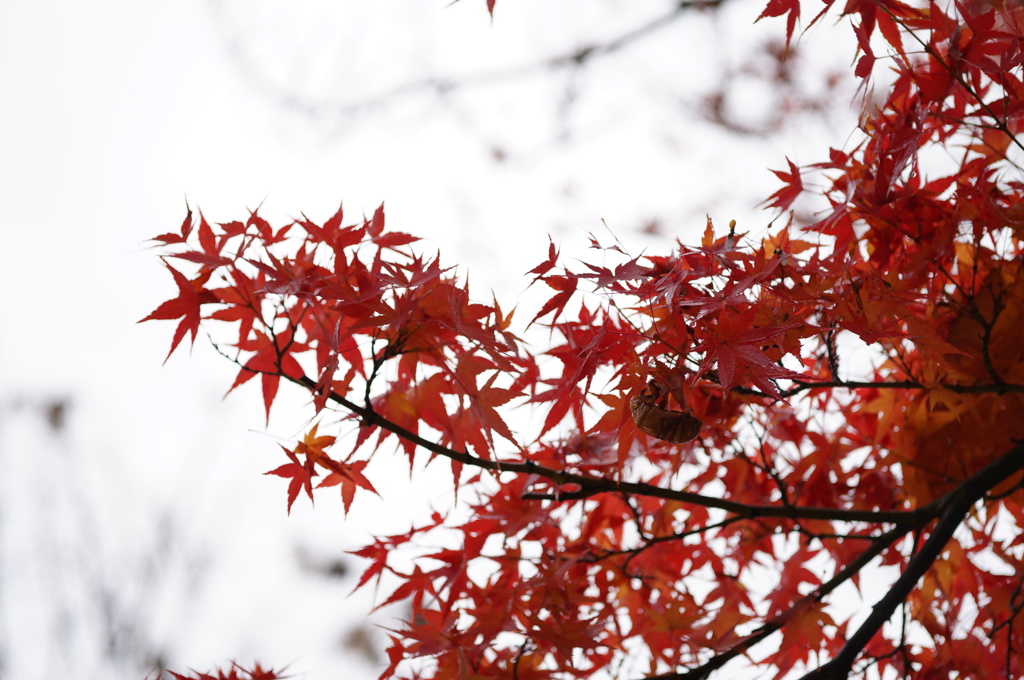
[143,525]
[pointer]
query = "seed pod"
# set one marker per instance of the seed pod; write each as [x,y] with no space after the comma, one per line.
[662,423]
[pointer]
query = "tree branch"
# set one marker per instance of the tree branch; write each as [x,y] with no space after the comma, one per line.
[956,505]
[954,508]
[447,85]
[878,545]
[994,388]
[591,486]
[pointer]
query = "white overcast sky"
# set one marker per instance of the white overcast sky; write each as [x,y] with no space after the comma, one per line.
[113,113]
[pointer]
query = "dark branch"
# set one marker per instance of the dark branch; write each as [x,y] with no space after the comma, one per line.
[592,486]
[994,388]
[950,510]
[878,545]
[955,507]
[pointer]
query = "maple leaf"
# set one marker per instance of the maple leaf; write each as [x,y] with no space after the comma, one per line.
[485,398]
[566,634]
[313,445]
[777,8]
[784,197]
[432,632]
[300,473]
[547,265]
[417,586]
[210,255]
[737,349]
[734,293]
[375,225]
[271,359]
[381,548]
[348,476]
[867,60]
[802,635]
[566,286]
[787,592]
[191,294]
[172,238]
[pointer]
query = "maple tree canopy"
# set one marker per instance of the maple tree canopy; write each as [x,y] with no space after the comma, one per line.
[703,470]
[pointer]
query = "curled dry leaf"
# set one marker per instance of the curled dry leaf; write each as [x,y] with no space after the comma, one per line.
[652,418]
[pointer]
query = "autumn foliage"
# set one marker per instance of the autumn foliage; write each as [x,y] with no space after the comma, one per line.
[702,467]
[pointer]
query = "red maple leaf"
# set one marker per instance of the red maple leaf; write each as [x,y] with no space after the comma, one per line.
[300,473]
[784,197]
[777,8]
[272,358]
[349,476]
[191,294]
[738,349]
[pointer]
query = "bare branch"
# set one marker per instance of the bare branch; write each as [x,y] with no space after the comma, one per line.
[447,85]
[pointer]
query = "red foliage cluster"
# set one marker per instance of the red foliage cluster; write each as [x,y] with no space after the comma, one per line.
[592,544]
[234,672]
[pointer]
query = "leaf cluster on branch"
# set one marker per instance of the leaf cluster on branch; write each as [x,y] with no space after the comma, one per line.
[697,475]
